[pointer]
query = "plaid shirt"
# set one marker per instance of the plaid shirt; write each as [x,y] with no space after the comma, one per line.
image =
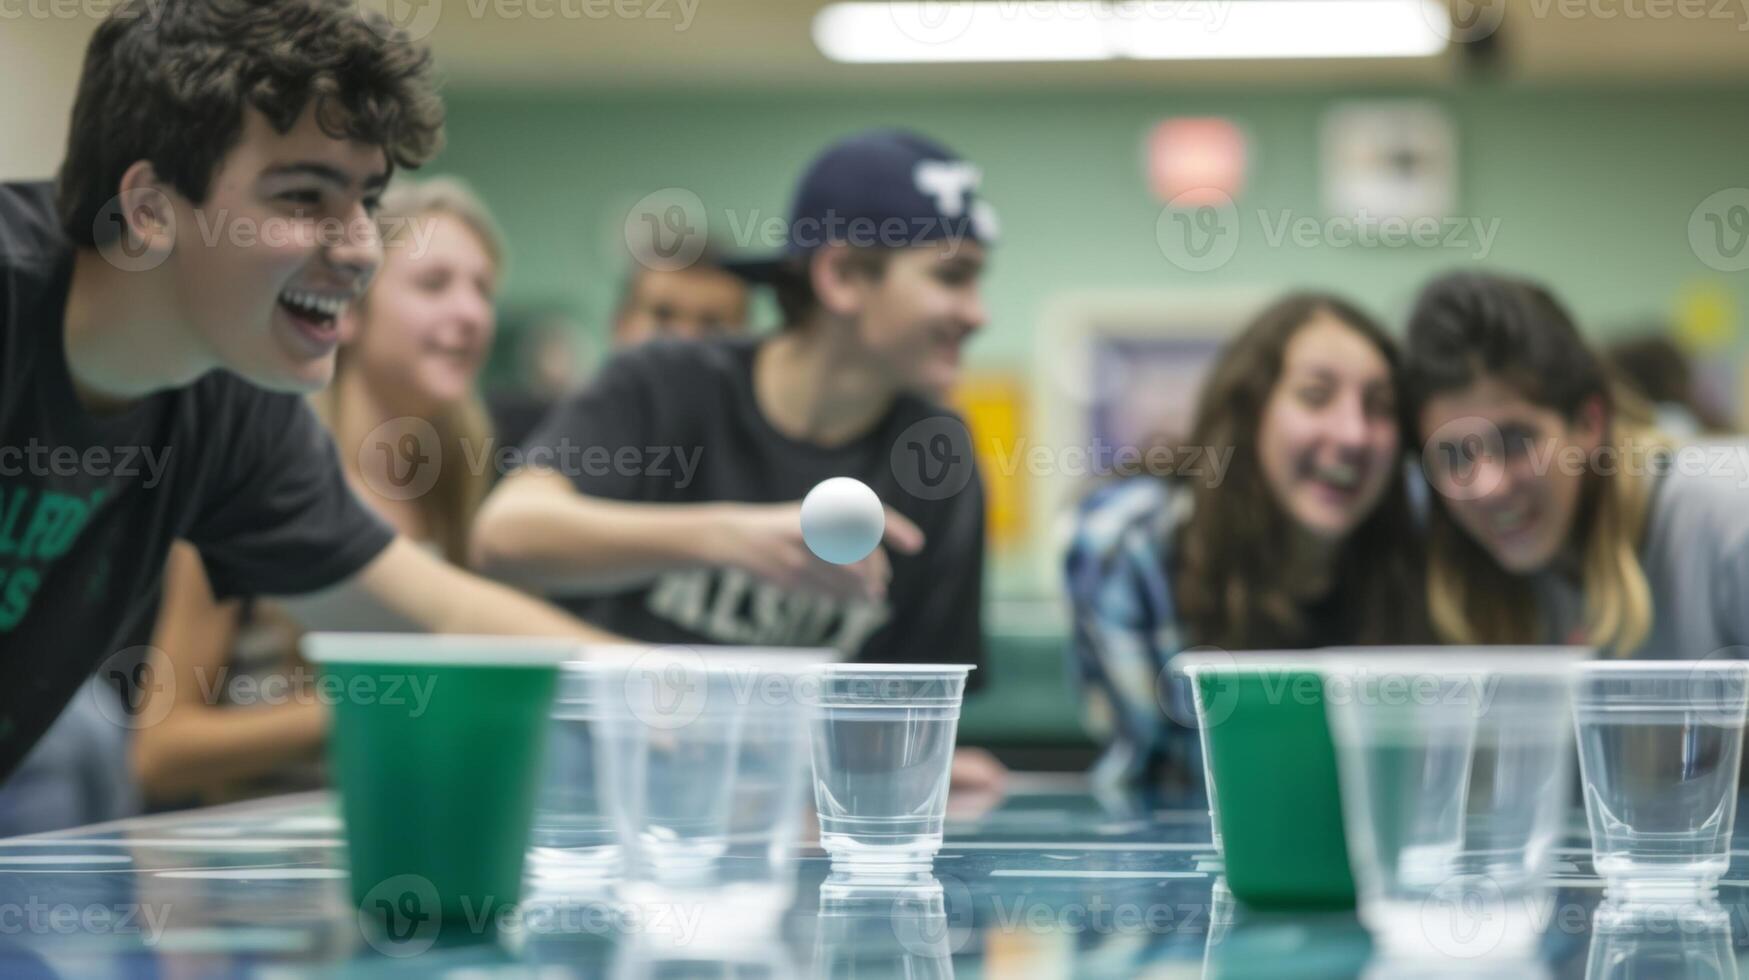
[1126,633]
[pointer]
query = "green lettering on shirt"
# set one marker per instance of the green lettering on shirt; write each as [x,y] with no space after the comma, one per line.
[12,501]
[49,507]
[16,591]
[33,542]
[75,514]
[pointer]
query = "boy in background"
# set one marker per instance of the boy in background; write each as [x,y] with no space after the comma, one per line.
[667,504]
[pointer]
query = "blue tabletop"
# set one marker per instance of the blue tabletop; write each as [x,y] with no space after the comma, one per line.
[1046,883]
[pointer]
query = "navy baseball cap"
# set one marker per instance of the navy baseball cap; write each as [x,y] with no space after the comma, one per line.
[882,188]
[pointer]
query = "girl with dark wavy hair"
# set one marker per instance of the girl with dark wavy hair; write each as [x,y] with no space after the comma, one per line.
[1304,539]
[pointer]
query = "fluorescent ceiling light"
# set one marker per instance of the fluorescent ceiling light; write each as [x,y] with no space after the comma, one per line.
[1065,30]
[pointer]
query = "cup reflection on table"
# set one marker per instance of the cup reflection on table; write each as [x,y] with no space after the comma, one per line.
[1691,943]
[893,928]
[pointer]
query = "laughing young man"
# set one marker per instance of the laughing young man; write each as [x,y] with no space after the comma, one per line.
[171,297]
[879,289]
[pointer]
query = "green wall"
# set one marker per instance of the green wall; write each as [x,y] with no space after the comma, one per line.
[1592,190]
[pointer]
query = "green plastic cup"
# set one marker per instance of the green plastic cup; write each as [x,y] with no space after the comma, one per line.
[436,750]
[1272,769]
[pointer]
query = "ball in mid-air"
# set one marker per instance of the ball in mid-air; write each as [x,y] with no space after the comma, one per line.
[842,520]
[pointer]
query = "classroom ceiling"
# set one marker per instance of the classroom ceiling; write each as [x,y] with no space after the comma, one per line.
[766,44]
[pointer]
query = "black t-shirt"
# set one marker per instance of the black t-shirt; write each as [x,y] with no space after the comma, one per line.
[677,422]
[89,504]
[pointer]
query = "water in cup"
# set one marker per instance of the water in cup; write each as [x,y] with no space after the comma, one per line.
[668,747]
[1454,770]
[1519,776]
[1659,748]
[882,746]
[770,793]
[887,789]
[571,816]
[1663,794]
[1405,770]
[573,837]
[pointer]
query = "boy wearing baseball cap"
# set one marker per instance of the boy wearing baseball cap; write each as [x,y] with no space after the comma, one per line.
[662,502]
[163,307]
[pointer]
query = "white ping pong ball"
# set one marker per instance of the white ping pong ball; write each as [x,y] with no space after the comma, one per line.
[842,520]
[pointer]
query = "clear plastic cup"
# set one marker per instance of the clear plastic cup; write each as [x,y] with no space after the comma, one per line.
[1208,769]
[573,838]
[1659,747]
[1454,766]
[669,746]
[771,785]
[882,745]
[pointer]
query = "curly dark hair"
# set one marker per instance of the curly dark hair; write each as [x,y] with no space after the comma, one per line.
[167,81]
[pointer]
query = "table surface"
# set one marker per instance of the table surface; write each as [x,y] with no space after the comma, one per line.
[1048,883]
